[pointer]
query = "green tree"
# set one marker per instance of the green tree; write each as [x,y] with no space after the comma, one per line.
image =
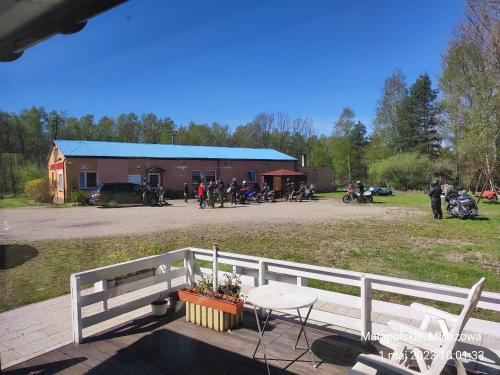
[470,83]
[404,171]
[128,128]
[376,149]
[417,120]
[321,152]
[348,145]
[394,91]
[105,129]
[344,125]
[87,127]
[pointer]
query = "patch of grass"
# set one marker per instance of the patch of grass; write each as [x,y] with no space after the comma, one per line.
[16,201]
[449,251]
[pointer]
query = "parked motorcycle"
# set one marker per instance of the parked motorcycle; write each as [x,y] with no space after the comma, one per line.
[309,192]
[241,196]
[460,204]
[353,194]
[252,195]
[266,196]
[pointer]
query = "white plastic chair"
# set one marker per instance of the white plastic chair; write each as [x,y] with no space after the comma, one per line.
[431,351]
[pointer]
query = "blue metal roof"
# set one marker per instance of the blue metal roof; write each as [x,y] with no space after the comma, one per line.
[160,151]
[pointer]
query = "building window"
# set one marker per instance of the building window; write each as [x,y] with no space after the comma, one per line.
[196,177]
[87,180]
[134,179]
[60,181]
[251,176]
[210,176]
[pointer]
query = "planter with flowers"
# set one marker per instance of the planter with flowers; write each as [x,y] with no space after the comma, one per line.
[219,308]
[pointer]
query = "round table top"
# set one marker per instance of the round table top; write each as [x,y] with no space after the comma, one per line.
[281,297]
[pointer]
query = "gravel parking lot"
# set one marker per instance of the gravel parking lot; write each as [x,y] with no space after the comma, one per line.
[42,223]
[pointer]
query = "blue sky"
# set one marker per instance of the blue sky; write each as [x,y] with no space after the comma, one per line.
[227,60]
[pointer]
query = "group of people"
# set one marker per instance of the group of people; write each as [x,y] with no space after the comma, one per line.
[208,194]
[212,192]
[303,191]
[149,193]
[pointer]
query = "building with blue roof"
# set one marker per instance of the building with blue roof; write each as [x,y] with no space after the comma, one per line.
[82,165]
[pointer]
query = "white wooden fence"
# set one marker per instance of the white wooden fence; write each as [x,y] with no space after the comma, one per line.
[255,271]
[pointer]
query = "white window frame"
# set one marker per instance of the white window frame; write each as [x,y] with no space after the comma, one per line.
[201,176]
[254,172]
[60,181]
[86,187]
[214,174]
[154,174]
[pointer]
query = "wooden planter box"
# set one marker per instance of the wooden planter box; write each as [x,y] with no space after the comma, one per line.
[129,278]
[210,312]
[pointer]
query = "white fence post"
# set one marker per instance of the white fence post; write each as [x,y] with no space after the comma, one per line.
[189,264]
[262,273]
[76,309]
[102,286]
[302,281]
[168,268]
[262,281]
[215,267]
[366,308]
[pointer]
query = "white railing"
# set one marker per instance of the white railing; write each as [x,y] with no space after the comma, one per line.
[255,271]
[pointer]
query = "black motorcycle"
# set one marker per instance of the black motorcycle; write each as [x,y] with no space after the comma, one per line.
[460,204]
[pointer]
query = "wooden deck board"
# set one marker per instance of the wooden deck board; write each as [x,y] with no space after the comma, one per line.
[174,346]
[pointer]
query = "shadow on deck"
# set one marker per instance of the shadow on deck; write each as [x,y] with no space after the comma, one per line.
[173,346]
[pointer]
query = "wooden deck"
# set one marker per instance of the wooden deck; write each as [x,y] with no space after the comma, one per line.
[173,346]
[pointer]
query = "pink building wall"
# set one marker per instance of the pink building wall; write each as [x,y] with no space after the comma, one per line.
[174,171]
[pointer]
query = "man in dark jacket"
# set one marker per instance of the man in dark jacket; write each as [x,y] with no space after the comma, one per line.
[220,191]
[233,190]
[186,191]
[360,187]
[435,194]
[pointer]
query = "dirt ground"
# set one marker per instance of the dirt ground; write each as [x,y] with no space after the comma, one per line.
[42,223]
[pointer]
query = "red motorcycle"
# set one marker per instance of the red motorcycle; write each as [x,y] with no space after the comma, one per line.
[353,194]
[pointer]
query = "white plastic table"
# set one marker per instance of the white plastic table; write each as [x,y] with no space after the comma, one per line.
[282,297]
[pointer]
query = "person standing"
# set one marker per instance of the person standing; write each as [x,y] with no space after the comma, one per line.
[435,195]
[233,189]
[186,191]
[220,191]
[146,190]
[161,190]
[202,193]
[211,194]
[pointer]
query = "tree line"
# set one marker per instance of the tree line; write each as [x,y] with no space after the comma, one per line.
[449,132]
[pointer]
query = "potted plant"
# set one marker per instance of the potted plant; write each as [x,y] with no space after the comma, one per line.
[159,306]
[219,310]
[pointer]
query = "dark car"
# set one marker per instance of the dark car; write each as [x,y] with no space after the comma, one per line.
[377,190]
[112,194]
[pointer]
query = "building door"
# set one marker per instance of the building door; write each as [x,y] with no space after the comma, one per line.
[154,179]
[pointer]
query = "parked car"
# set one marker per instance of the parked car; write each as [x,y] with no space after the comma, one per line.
[112,194]
[377,190]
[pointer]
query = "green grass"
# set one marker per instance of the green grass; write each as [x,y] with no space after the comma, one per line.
[449,251]
[16,201]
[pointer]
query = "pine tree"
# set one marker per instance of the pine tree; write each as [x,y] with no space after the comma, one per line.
[417,120]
